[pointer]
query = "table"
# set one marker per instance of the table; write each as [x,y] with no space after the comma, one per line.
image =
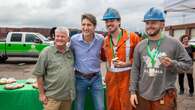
[27,98]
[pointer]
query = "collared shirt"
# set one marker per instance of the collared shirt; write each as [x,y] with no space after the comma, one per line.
[57,70]
[87,55]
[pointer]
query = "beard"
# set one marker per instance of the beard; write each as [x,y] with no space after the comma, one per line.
[111,29]
[153,33]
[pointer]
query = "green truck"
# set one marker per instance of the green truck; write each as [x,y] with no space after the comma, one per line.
[22,44]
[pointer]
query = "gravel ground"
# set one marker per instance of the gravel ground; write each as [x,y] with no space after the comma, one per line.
[18,68]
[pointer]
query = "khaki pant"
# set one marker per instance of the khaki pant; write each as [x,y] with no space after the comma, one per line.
[168,102]
[53,104]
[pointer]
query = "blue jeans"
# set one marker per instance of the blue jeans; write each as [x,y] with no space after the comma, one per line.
[97,91]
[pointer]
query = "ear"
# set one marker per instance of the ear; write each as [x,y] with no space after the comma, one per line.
[119,22]
[68,38]
[162,25]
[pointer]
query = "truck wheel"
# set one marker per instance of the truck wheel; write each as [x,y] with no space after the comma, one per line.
[3,59]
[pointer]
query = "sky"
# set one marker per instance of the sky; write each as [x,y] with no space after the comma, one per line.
[49,13]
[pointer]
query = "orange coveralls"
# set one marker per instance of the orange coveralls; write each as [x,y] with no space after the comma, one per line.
[117,84]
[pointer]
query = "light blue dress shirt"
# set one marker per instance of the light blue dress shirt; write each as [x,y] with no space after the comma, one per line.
[87,55]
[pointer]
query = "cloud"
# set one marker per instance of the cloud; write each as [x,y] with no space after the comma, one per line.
[49,13]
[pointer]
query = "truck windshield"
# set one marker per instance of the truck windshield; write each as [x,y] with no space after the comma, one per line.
[42,37]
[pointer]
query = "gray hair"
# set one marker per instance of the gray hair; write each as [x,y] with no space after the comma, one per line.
[63,30]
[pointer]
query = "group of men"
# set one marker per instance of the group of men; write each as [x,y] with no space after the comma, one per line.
[140,75]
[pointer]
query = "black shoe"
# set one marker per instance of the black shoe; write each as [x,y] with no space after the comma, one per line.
[191,94]
[181,92]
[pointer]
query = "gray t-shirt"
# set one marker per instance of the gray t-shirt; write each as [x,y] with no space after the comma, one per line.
[154,87]
[57,70]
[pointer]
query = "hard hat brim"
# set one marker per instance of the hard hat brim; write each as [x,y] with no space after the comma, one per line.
[162,20]
[111,18]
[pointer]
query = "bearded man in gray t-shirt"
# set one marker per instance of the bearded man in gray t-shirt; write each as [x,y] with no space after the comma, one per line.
[156,62]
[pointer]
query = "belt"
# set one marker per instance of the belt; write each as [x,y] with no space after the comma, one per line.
[85,75]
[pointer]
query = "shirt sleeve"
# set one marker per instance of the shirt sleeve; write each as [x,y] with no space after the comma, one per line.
[183,62]
[41,65]
[71,44]
[135,71]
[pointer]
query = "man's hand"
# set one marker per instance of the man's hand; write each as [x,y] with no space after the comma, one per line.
[43,98]
[134,100]
[166,61]
[120,64]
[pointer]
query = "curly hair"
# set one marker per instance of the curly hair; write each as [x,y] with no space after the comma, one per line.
[183,36]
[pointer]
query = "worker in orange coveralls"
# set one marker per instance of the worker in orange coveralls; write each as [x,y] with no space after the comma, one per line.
[119,46]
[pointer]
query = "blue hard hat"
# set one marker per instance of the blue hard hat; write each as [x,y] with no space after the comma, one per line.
[154,14]
[111,14]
